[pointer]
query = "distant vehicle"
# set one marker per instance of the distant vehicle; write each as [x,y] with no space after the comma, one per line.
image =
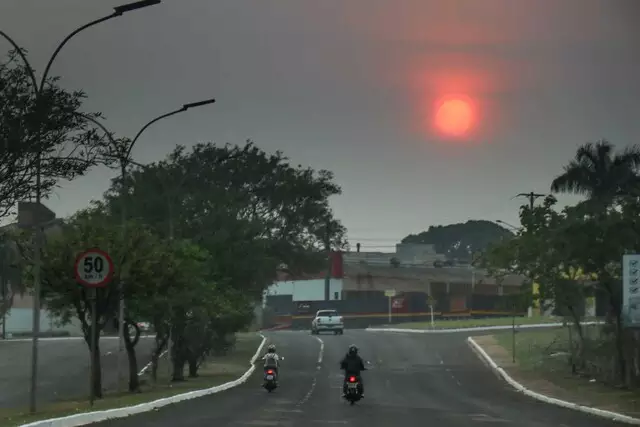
[327,320]
[144,326]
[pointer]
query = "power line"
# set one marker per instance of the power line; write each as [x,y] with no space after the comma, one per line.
[531,196]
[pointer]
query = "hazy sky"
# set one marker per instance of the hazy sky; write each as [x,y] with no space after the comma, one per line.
[350,86]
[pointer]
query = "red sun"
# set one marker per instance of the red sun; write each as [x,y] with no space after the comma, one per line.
[454,117]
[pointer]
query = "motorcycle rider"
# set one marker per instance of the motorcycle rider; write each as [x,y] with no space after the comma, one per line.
[272,360]
[353,365]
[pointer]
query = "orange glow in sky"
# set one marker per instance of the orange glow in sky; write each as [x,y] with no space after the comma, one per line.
[454,117]
[452,104]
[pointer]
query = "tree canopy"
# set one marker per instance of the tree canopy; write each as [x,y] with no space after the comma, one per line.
[45,129]
[196,238]
[599,173]
[460,241]
[576,252]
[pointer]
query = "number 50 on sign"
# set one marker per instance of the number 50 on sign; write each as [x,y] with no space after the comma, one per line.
[94,268]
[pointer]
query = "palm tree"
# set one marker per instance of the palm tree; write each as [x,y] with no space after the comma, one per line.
[600,174]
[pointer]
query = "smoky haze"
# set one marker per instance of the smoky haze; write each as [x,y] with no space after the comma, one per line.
[350,87]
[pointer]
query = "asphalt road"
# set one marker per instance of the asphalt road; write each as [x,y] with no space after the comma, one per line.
[413,380]
[63,369]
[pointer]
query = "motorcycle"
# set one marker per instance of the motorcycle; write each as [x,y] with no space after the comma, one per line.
[270,380]
[354,392]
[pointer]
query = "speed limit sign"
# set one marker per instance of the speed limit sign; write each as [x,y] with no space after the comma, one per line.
[94,268]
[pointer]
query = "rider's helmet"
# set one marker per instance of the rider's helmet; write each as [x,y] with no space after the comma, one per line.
[271,349]
[353,350]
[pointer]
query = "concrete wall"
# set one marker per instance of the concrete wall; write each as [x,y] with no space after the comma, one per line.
[20,318]
[20,321]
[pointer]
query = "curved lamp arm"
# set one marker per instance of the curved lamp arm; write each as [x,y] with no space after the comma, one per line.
[182,109]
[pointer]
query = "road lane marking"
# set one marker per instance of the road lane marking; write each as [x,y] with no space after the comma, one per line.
[484,418]
[321,353]
[299,411]
[315,377]
[309,393]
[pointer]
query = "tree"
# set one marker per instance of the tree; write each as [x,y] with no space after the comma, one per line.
[238,192]
[543,252]
[598,242]
[571,253]
[600,174]
[184,286]
[46,130]
[460,241]
[67,300]
[249,211]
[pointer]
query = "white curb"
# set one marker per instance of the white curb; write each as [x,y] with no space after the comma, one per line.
[94,417]
[551,400]
[148,365]
[76,338]
[477,328]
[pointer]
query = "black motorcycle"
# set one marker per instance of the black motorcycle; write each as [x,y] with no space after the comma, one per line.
[354,391]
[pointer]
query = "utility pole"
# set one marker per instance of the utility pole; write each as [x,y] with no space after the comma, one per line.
[531,196]
[327,279]
[4,284]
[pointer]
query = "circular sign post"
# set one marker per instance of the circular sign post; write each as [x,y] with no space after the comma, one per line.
[94,269]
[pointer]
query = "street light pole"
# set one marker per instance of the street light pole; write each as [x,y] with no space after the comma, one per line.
[125,160]
[38,90]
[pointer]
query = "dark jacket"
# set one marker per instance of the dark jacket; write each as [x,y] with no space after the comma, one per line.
[352,364]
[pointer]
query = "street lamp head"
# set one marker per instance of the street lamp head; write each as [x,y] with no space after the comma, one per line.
[120,10]
[198,104]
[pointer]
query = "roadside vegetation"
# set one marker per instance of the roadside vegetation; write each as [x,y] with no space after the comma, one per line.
[575,253]
[213,372]
[542,365]
[195,238]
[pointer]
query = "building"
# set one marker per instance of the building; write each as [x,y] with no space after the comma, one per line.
[17,301]
[417,267]
[307,287]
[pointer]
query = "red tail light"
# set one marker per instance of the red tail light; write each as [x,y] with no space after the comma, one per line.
[352,379]
[270,372]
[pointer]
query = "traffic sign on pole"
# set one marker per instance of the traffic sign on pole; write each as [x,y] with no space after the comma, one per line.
[390,293]
[94,268]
